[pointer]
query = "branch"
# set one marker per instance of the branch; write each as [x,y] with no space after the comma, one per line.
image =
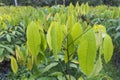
[78,37]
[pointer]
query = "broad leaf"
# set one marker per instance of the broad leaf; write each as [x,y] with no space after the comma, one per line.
[55,38]
[80,78]
[107,48]
[76,32]
[56,74]
[8,37]
[33,38]
[70,23]
[14,65]
[97,68]
[19,54]
[87,52]
[70,77]
[8,49]
[47,68]
[63,18]
[43,44]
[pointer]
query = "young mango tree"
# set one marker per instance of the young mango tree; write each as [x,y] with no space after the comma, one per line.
[71,46]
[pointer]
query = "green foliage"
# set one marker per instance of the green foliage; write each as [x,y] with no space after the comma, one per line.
[9,38]
[61,44]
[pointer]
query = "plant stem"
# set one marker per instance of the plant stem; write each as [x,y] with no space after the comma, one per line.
[78,37]
[68,64]
[63,69]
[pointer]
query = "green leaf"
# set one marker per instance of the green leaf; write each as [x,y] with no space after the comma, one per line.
[57,17]
[8,38]
[61,78]
[86,8]
[98,39]
[70,22]
[29,63]
[55,38]
[70,77]
[49,38]
[1,58]
[56,74]
[40,57]
[70,9]
[33,38]
[87,52]
[43,44]
[76,32]
[107,48]
[14,65]
[8,49]
[19,54]
[42,16]
[1,51]
[80,78]
[63,18]
[47,68]
[97,68]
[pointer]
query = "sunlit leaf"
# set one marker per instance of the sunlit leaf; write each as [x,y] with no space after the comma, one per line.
[29,63]
[19,54]
[33,38]
[55,38]
[87,52]
[107,48]
[14,65]
[76,32]
[97,68]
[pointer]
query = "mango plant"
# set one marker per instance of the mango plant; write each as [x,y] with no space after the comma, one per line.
[70,41]
[72,46]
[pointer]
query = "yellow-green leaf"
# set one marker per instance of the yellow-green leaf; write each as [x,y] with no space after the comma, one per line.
[87,52]
[107,48]
[29,64]
[86,8]
[70,23]
[76,32]
[43,44]
[19,54]
[55,37]
[80,78]
[63,18]
[14,65]
[49,37]
[97,68]
[33,38]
